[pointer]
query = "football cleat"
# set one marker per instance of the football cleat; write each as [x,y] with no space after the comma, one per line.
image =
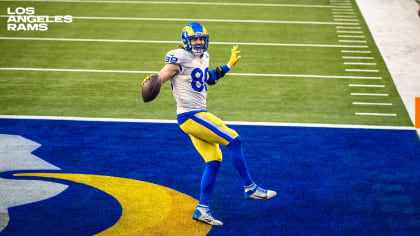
[203,214]
[256,192]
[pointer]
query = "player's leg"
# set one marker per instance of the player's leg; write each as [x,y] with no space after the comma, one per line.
[238,159]
[210,128]
[252,191]
[212,156]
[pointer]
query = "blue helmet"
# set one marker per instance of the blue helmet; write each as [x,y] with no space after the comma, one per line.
[195,30]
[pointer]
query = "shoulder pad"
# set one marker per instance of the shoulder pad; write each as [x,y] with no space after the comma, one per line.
[177,56]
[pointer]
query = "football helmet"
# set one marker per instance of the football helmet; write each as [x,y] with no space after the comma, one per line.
[195,30]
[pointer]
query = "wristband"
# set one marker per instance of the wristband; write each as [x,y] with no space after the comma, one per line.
[216,74]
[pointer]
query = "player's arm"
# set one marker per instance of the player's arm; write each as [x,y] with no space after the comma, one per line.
[152,83]
[168,71]
[219,72]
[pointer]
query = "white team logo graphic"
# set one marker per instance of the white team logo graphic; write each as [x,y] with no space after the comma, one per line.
[15,154]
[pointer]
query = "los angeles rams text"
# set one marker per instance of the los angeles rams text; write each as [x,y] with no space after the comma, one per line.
[24,19]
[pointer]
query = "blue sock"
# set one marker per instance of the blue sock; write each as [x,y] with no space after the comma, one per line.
[208,180]
[238,160]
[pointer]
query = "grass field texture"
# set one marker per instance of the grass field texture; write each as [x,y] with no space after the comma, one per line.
[295,66]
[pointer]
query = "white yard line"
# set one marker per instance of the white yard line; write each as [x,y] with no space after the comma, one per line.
[178,42]
[342,12]
[88,40]
[344,16]
[352,41]
[362,70]
[370,94]
[361,58]
[372,103]
[351,36]
[347,1]
[349,32]
[78,70]
[375,114]
[367,85]
[212,20]
[348,27]
[308,76]
[340,3]
[360,63]
[313,125]
[201,20]
[341,9]
[234,74]
[339,19]
[351,51]
[181,3]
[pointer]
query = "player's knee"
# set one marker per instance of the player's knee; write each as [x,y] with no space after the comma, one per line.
[214,156]
[236,142]
[232,132]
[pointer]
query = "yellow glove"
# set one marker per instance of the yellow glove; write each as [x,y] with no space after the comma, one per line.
[233,59]
[146,79]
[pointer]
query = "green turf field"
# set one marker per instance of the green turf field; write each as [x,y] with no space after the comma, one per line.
[308,81]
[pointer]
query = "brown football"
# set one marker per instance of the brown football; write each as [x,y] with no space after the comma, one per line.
[151,88]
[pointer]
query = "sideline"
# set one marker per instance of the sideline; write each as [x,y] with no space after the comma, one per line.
[395,27]
[203,20]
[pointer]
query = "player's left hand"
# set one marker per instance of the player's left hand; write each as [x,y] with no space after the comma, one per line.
[233,57]
[146,79]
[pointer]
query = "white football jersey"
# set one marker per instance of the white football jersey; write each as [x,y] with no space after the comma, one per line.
[189,87]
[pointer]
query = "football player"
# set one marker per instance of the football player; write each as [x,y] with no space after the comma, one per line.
[187,69]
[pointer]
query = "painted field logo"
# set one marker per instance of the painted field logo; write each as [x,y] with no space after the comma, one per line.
[24,19]
[146,208]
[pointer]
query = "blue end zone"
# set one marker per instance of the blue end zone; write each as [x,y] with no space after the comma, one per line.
[329,181]
[70,213]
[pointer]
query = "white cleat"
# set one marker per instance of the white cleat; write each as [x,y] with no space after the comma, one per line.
[256,192]
[203,214]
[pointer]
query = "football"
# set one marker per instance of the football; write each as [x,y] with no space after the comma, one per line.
[151,88]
